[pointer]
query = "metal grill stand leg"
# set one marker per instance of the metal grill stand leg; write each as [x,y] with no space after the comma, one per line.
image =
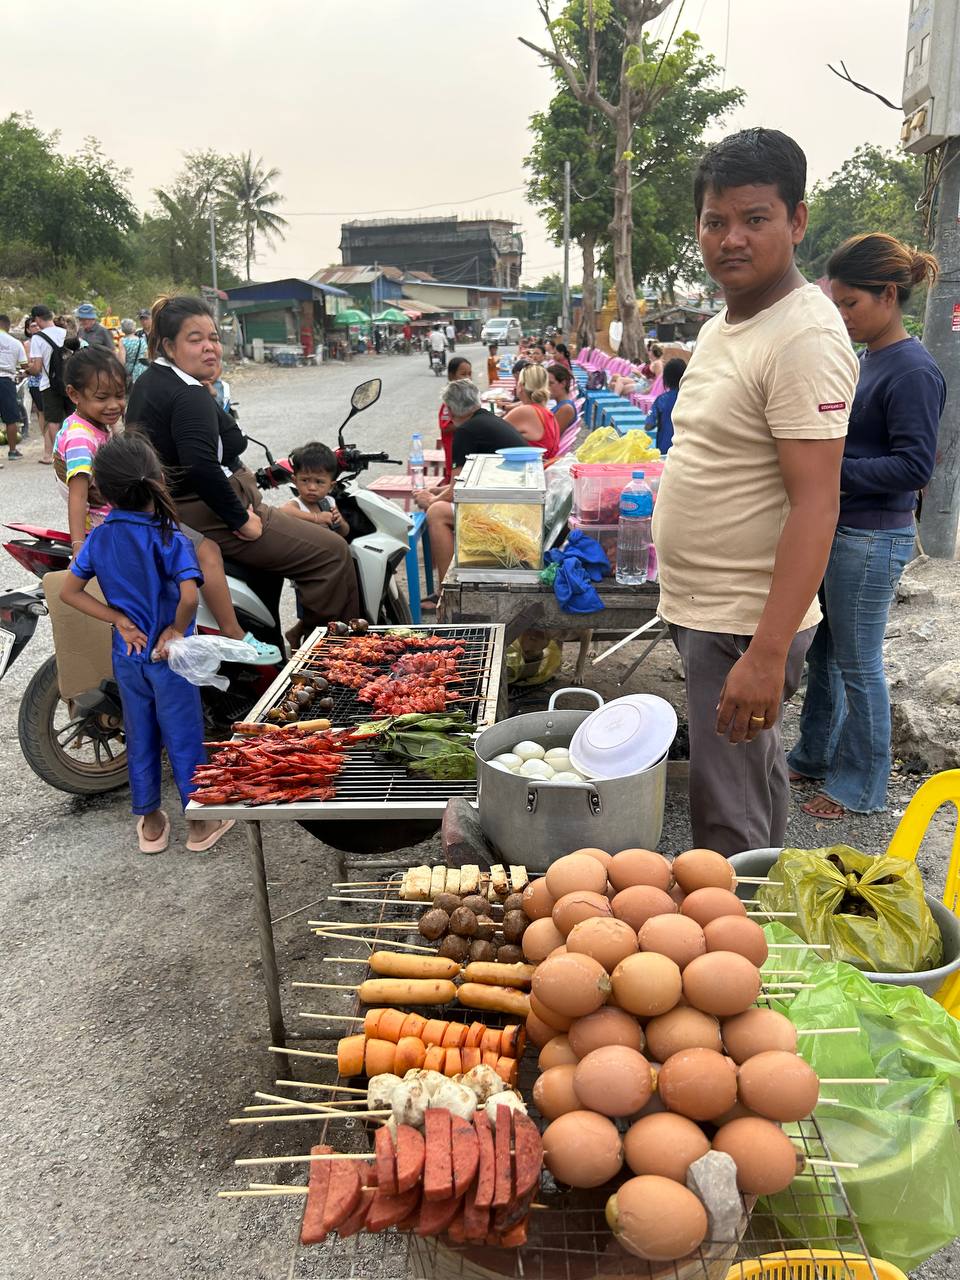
[268,956]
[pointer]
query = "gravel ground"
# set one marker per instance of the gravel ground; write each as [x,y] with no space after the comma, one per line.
[131,1007]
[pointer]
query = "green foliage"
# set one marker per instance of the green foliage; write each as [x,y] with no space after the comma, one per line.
[177,231]
[64,206]
[875,190]
[247,197]
[667,143]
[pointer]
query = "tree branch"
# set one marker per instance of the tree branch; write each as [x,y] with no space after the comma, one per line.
[582,86]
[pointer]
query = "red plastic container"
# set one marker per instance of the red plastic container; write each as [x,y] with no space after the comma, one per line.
[597,487]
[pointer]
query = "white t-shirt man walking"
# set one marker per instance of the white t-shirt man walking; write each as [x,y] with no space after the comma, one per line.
[12,358]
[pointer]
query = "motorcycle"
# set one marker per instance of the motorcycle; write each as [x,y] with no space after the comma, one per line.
[437,363]
[76,744]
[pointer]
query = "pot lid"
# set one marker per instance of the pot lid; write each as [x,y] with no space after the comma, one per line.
[624,736]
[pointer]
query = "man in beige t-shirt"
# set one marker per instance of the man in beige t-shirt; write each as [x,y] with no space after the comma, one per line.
[749,498]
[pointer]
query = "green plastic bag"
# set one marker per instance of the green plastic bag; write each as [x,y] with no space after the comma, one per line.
[906,1192]
[870,911]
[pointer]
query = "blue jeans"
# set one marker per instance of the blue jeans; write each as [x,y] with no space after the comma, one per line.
[845,722]
[160,709]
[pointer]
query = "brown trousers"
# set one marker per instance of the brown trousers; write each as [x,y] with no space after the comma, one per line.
[316,559]
[739,795]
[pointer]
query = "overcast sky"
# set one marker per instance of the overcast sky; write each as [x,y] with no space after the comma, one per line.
[390,106]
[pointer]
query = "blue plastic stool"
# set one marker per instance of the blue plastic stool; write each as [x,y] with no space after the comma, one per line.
[418,534]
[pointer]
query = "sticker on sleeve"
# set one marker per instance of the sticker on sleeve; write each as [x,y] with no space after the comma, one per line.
[833,407]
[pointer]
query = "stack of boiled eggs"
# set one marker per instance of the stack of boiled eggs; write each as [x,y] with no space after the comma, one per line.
[531,760]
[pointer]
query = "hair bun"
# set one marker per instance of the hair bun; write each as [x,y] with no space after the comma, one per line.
[923,267]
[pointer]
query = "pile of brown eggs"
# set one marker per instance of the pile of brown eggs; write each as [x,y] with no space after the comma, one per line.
[652,1051]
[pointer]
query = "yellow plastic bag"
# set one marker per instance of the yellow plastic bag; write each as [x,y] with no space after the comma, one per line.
[870,911]
[606,444]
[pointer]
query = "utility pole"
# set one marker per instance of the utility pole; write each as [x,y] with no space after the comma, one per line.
[213,252]
[565,308]
[941,337]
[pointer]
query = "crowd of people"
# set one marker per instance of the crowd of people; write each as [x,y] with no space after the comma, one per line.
[784,518]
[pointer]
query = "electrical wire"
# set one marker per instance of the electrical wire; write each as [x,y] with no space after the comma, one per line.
[362,213]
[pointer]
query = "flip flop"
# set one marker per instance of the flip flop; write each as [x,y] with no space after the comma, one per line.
[201,846]
[161,842]
[45,462]
[824,817]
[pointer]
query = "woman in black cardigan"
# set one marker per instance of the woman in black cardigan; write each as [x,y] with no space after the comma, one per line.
[200,446]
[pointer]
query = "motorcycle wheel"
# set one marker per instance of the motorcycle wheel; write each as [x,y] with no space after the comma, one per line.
[46,729]
[394,610]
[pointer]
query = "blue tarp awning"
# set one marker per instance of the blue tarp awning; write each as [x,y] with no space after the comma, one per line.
[293,288]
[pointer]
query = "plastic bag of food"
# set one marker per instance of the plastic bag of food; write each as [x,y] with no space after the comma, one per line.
[871,912]
[902,1136]
[606,444]
[197,658]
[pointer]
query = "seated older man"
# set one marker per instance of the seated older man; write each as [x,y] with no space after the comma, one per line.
[476,430]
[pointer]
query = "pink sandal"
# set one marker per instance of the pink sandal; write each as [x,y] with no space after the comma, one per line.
[161,842]
[201,846]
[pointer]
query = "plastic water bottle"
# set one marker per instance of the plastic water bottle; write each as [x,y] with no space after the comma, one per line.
[417,465]
[633,532]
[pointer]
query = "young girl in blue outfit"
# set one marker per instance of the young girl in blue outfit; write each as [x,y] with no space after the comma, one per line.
[148,572]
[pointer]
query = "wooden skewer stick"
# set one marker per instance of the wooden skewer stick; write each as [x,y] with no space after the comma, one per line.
[302,1053]
[753,880]
[853,1080]
[789,986]
[308,1084]
[326,1017]
[284,1119]
[782,915]
[291,1159]
[764,973]
[377,942]
[286,1191]
[323,1107]
[362,924]
[798,946]
[275,1106]
[830,1164]
[828,1031]
[333,986]
[333,1088]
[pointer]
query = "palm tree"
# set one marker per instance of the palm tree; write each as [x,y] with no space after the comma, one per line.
[247,191]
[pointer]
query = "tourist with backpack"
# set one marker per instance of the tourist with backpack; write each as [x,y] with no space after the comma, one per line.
[46,360]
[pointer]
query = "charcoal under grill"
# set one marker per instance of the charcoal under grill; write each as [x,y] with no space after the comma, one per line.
[369,787]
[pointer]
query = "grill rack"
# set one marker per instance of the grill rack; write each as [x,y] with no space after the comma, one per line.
[569,1238]
[369,787]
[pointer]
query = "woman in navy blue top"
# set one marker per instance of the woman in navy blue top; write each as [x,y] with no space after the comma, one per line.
[888,458]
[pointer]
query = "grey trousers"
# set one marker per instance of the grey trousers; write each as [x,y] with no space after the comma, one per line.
[739,795]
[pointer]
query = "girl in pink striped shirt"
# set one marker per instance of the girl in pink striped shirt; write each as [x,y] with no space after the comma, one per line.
[97,386]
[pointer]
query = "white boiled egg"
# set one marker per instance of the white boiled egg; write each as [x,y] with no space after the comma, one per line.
[567,776]
[508,760]
[536,769]
[558,758]
[529,751]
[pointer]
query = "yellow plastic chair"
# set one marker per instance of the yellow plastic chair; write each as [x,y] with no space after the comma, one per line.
[942,788]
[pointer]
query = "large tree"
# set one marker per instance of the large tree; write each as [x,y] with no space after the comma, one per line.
[639,86]
[67,207]
[248,193]
[875,190]
[178,230]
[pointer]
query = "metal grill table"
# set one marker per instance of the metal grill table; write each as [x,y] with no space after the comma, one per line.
[367,788]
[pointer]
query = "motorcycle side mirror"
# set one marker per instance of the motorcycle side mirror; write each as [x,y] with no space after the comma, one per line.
[366,394]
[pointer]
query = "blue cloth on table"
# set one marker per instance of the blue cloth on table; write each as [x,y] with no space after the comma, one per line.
[580,562]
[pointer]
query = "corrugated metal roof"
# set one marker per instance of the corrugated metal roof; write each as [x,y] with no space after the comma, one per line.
[348,275]
[290,287]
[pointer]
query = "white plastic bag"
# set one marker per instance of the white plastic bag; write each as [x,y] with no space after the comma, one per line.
[197,658]
[559,497]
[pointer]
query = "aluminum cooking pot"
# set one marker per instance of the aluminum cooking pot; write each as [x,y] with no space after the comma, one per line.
[531,823]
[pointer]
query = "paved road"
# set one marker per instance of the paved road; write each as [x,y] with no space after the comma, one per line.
[131,1009]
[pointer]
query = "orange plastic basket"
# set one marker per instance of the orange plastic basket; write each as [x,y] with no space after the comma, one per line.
[813,1264]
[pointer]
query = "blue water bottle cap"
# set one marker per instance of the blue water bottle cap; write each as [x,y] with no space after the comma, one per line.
[638,475]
